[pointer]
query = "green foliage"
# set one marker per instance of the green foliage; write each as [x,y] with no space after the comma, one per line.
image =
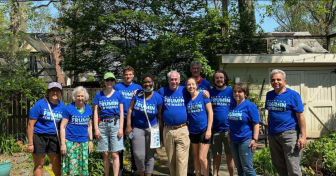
[46,160]
[96,165]
[262,163]
[4,160]
[90,79]
[254,98]
[320,155]
[7,144]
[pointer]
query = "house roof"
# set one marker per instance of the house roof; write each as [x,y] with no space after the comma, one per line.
[37,43]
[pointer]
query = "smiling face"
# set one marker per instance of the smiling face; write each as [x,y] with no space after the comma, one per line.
[191,85]
[238,94]
[109,82]
[173,81]
[54,93]
[219,80]
[278,82]
[80,97]
[195,70]
[128,76]
[147,83]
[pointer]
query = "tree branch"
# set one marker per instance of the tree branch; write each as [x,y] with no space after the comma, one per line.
[44,5]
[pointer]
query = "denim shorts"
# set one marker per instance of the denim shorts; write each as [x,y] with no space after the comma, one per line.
[109,140]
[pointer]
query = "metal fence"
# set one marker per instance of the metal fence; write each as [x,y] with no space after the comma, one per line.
[16,123]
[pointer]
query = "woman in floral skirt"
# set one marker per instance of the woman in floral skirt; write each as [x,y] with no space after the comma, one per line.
[76,131]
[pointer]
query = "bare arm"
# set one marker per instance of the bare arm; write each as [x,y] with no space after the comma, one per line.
[255,134]
[302,125]
[121,120]
[160,124]
[30,133]
[208,108]
[95,121]
[64,123]
[90,135]
[129,118]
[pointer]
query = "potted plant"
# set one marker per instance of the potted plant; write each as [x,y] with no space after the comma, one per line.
[5,167]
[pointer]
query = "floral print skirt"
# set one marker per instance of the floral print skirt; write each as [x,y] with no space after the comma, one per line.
[75,161]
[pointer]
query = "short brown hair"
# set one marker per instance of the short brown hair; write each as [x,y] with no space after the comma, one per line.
[128,68]
[243,87]
[192,79]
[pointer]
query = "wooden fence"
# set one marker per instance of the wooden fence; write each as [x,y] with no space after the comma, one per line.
[16,123]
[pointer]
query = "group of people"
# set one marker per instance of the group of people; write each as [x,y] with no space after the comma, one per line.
[193,119]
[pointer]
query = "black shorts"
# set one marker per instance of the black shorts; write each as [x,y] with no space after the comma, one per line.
[199,138]
[45,144]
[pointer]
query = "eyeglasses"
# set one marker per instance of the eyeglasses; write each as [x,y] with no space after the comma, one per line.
[109,80]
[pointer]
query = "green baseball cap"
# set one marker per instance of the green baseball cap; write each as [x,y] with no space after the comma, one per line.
[109,75]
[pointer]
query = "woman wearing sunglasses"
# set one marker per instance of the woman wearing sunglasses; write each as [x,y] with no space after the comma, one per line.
[109,126]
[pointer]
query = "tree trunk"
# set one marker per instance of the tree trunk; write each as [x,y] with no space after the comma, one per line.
[14,17]
[23,19]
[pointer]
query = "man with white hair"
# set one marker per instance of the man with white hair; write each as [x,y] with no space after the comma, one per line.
[175,131]
[287,126]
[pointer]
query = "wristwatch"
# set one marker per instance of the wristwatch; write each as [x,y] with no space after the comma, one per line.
[256,140]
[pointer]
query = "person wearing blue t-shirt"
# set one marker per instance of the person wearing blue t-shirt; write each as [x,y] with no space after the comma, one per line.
[143,154]
[42,131]
[175,130]
[221,97]
[76,134]
[200,117]
[127,88]
[202,86]
[286,122]
[244,120]
[109,129]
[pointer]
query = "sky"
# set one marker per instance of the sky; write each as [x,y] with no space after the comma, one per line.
[268,25]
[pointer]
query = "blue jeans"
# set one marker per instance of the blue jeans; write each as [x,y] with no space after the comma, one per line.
[243,157]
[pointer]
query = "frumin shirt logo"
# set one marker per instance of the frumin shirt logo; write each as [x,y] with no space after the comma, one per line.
[109,104]
[235,115]
[150,108]
[220,100]
[174,101]
[80,120]
[276,105]
[127,94]
[47,115]
[195,107]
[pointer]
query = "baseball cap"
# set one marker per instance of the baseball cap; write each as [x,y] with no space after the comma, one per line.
[54,84]
[109,75]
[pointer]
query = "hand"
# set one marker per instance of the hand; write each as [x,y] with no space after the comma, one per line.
[134,93]
[30,148]
[90,146]
[207,134]
[253,146]
[302,143]
[120,133]
[128,130]
[97,133]
[63,149]
[206,94]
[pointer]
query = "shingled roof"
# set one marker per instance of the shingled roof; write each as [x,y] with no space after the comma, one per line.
[37,44]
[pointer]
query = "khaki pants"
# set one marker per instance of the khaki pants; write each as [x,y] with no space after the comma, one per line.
[177,144]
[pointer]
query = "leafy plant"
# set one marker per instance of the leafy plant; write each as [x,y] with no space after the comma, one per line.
[96,164]
[262,163]
[4,160]
[7,144]
[46,160]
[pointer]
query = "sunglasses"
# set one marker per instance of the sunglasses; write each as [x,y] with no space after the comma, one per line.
[109,80]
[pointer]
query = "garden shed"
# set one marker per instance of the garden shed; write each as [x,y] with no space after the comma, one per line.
[312,75]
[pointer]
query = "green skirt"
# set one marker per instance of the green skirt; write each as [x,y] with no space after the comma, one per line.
[75,161]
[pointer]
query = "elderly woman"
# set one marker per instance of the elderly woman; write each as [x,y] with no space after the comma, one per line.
[143,154]
[109,130]
[76,132]
[243,118]
[43,129]
[200,117]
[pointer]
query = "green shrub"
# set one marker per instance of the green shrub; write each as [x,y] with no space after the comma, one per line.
[262,163]
[96,164]
[7,144]
[46,160]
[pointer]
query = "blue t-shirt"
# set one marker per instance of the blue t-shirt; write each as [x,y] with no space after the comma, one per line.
[282,109]
[127,92]
[152,105]
[45,122]
[77,127]
[108,106]
[241,119]
[221,101]
[197,114]
[203,85]
[174,109]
